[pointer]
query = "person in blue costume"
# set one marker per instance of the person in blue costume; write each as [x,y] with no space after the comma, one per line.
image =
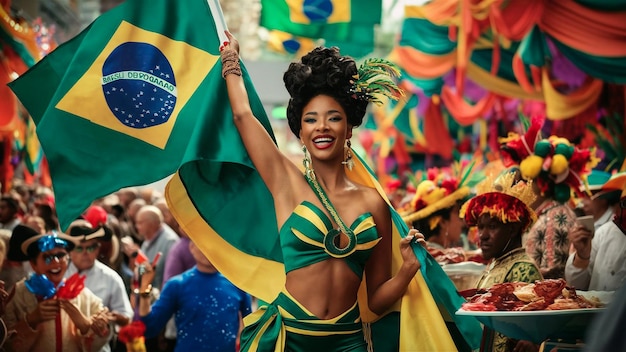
[337,234]
[207,308]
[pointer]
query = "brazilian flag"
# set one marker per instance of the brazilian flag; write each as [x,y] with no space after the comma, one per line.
[348,24]
[126,102]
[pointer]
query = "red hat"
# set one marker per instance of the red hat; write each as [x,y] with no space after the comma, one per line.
[96,216]
[502,198]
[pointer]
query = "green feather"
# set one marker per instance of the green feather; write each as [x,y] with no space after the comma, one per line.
[467,172]
[376,78]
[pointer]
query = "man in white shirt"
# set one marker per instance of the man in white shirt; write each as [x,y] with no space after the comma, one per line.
[103,281]
[599,263]
[602,202]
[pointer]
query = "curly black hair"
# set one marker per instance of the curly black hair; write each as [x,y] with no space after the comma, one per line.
[322,71]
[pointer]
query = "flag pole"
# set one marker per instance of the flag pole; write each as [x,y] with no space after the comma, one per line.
[218,17]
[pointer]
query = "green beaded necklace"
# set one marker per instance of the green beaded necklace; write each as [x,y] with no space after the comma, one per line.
[331,236]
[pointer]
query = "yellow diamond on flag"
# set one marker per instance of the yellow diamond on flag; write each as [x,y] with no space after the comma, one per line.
[139,84]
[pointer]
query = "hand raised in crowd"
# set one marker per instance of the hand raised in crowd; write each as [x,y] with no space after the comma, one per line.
[82,322]
[46,310]
[580,238]
[129,247]
[147,274]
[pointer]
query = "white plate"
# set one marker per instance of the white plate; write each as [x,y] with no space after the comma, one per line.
[527,313]
[540,325]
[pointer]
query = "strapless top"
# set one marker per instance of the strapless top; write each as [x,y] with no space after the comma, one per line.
[307,237]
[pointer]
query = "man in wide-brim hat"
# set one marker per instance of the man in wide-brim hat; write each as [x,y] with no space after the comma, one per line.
[40,317]
[598,261]
[600,202]
[103,281]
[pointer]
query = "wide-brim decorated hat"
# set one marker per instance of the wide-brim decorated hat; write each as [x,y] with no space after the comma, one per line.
[503,198]
[441,189]
[617,182]
[595,180]
[82,230]
[23,238]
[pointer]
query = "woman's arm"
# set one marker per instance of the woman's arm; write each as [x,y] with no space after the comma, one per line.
[271,164]
[382,289]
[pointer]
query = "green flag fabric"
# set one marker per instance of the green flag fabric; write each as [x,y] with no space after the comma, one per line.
[224,207]
[348,24]
[125,102]
[329,19]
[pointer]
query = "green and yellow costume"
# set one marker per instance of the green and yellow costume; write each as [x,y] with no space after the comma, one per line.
[221,202]
[251,255]
[287,325]
[306,238]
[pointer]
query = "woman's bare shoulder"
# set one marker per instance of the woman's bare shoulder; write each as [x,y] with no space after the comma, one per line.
[373,201]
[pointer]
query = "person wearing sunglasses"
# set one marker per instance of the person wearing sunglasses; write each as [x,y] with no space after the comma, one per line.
[103,281]
[47,311]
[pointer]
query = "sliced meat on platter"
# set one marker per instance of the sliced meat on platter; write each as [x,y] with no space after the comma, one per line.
[553,294]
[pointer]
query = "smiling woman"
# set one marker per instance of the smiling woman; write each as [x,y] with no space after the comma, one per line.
[338,235]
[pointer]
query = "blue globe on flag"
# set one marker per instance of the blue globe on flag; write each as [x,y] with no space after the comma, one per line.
[139,85]
[317,10]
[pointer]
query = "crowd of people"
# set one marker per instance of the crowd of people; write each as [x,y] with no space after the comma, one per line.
[128,260]
[184,302]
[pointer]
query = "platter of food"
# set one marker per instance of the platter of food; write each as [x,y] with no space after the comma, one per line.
[547,309]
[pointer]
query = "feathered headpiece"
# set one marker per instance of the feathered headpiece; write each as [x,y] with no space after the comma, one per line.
[554,164]
[516,148]
[440,190]
[375,78]
[503,198]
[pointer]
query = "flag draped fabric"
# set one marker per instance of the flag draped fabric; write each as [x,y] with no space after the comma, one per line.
[222,203]
[124,102]
[348,24]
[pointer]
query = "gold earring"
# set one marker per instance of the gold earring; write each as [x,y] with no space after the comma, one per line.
[349,163]
[308,170]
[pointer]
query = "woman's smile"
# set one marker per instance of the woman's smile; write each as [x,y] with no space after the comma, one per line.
[323,141]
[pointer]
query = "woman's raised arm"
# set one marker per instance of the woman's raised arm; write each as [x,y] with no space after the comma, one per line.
[271,164]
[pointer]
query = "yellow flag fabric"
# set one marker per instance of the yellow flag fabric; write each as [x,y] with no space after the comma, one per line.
[252,260]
